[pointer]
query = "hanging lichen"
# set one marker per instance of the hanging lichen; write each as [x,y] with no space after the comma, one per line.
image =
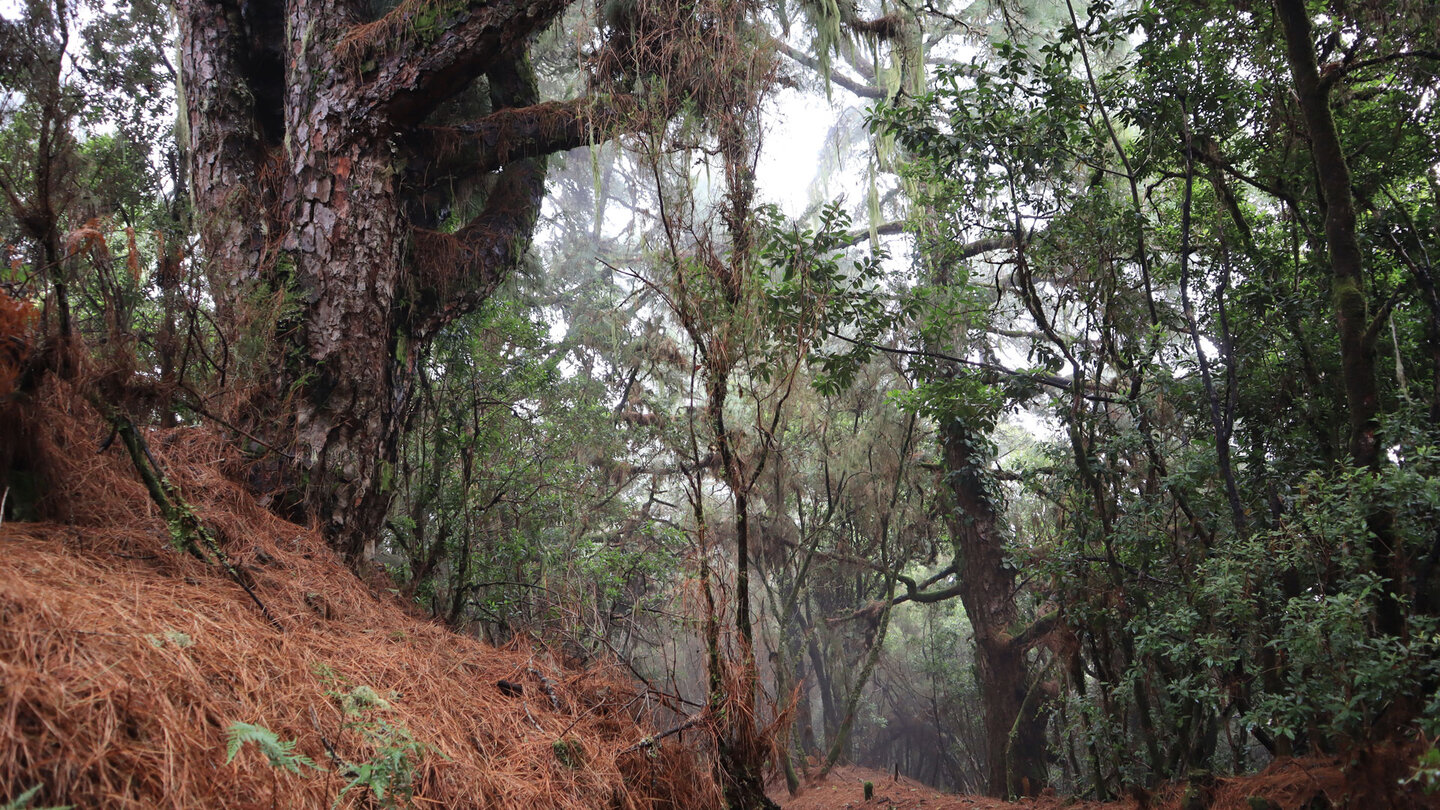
[827,21]
[872,200]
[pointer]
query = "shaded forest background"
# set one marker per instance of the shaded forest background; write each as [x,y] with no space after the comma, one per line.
[1080,432]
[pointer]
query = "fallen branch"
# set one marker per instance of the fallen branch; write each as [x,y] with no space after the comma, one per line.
[186,530]
[547,685]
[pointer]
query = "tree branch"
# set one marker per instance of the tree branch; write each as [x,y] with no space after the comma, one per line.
[1043,379]
[487,144]
[455,273]
[834,76]
[1037,630]
[859,235]
[419,68]
[1335,72]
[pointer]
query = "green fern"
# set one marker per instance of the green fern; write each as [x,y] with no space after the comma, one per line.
[281,753]
[390,775]
[22,802]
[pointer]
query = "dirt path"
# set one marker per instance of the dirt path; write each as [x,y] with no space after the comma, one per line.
[844,789]
[1365,779]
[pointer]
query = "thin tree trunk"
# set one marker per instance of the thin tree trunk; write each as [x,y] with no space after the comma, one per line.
[1357,345]
[872,656]
[1220,427]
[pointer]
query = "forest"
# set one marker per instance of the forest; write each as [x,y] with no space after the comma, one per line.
[711,404]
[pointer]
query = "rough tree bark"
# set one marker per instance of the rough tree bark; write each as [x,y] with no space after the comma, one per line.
[1014,698]
[321,172]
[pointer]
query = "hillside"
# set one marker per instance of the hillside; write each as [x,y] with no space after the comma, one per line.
[123,661]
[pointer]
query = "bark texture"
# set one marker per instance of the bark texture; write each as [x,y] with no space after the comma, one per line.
[320,181]
[1015,701]
[223,69]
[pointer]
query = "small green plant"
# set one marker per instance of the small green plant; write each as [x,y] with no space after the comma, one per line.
[172,638]
[869,791]
[355,703]
[390,774]
[569,751]
[280,753]
[22,802]
[1427,770]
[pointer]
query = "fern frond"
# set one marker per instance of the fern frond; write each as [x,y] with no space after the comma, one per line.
[22,802]
[280,753]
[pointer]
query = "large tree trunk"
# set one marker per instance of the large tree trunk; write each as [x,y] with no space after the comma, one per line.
[318,172]
[225,73]
[1014,701]
[345,242]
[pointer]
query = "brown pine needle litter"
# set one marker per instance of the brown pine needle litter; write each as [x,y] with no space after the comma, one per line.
[123,661]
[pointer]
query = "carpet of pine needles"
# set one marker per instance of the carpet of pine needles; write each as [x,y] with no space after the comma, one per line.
[123,661]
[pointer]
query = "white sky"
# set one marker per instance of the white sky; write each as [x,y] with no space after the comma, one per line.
[796,129]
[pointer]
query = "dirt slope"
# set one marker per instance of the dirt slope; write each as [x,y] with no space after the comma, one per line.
[123,662]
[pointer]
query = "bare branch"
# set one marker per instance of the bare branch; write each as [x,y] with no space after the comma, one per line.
[833,76]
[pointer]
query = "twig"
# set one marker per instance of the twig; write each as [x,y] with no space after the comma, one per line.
[201,411]
[1311,776]
[651,687]
[649,742]
[325,741]
[589,711]
[547,685]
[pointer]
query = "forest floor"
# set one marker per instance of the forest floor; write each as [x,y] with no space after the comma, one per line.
[1362,780]
[125,664]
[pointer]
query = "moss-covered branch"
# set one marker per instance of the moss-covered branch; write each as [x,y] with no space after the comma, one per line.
[187,532]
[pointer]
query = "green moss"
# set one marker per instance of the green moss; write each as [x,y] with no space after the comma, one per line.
[431,19]
[569,751]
